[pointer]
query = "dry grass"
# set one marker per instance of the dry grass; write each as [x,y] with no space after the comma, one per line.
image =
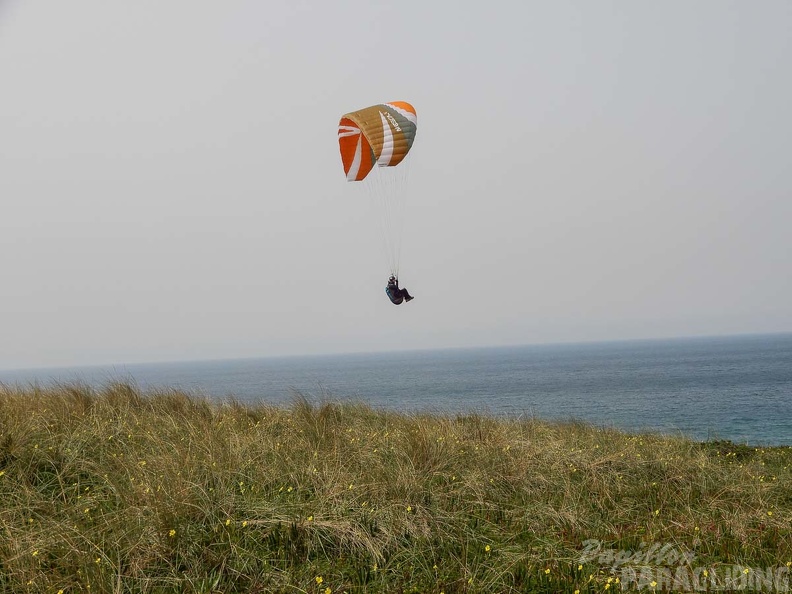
[114,490]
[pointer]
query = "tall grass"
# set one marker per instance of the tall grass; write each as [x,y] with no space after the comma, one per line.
[115,490]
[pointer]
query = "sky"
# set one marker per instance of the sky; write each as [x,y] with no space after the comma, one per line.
[171,186]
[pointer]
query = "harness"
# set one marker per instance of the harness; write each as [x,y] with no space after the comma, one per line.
[394,294]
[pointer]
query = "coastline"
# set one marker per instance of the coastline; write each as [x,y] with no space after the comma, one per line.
[163,491]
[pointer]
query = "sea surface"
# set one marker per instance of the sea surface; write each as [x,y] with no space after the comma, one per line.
[736,388]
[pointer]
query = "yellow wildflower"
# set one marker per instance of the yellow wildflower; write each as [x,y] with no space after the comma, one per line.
[319,579]
[172,533]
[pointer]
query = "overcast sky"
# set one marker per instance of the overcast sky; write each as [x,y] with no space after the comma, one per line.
[171,187]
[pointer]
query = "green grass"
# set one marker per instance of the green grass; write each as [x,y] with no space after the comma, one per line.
[116,490]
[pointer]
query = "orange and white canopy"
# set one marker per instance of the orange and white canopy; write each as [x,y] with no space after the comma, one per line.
[381,134]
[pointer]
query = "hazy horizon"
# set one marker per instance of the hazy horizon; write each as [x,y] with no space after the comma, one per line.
[539,345]
[171,187]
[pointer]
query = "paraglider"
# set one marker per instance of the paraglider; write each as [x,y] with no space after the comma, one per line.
[383,135]
[395,294]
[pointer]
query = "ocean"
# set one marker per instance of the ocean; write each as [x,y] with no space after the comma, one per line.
[737,388]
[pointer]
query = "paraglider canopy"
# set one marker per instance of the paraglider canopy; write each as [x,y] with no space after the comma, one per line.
[381,134]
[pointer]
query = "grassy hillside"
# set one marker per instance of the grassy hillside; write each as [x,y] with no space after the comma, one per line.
[114,490]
